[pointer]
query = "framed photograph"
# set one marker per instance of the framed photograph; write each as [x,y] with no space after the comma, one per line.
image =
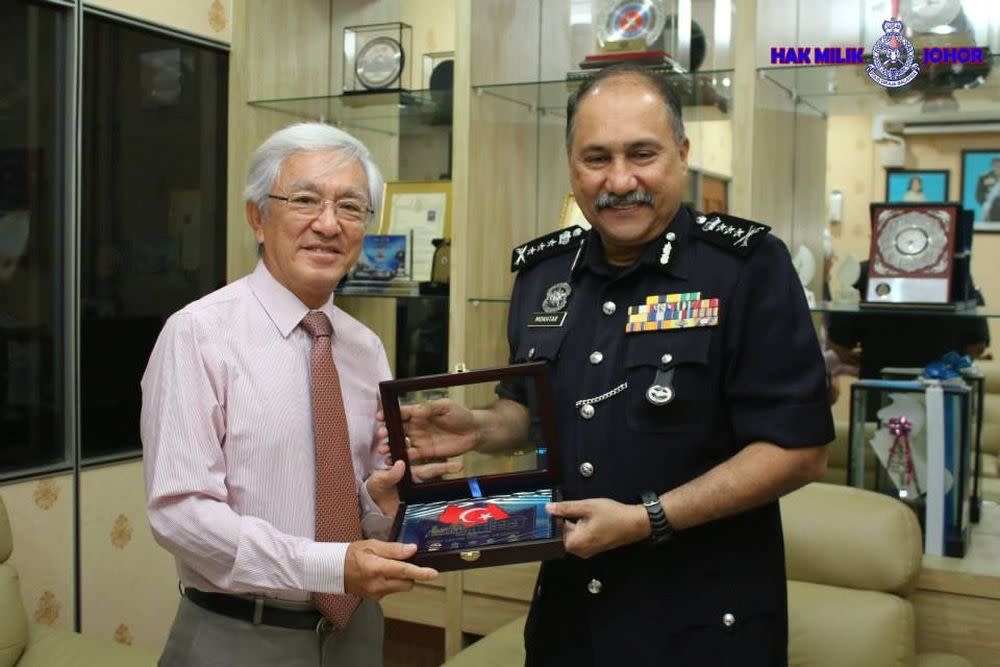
[571,214]
[382,258]
[420,211]
[981,187]
[916,186]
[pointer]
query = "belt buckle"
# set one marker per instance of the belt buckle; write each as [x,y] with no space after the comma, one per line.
[323,625]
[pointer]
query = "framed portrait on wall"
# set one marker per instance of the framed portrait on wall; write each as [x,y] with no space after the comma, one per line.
[981,187]
[916,186]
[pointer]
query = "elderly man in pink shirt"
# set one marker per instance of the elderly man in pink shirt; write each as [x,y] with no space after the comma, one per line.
[260,447]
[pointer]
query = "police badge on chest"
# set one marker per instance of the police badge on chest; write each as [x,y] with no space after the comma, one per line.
[553,307]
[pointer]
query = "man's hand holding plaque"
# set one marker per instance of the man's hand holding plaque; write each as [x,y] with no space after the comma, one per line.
[479,467]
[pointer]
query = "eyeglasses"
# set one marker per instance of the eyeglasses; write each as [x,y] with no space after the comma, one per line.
[310,206]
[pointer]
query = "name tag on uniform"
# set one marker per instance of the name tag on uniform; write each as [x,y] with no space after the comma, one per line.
[547,319]
[673,311]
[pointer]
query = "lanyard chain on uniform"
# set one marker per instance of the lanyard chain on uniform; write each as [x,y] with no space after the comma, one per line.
[608,394]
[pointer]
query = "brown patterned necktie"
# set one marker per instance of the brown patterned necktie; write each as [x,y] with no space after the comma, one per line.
[337,513]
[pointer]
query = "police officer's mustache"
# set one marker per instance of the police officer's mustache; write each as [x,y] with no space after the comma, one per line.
[608,200]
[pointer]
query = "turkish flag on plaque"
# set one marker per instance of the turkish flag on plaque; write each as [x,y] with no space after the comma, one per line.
[472,516]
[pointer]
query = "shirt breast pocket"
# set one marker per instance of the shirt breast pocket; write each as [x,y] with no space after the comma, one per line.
[672,365]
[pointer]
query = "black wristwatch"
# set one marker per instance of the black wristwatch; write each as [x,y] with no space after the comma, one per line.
[661,529]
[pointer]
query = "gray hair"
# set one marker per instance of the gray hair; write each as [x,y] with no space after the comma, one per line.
[267,160]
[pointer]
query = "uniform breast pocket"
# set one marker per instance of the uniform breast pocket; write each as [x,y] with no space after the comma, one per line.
[539,346]
[669,379]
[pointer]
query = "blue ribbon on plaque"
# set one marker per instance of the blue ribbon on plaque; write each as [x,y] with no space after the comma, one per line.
[947,367]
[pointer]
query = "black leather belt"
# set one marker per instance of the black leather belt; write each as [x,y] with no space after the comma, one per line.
[255,611]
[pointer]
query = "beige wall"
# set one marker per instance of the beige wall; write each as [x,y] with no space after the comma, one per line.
[206,18]
[41,520]
[128,585]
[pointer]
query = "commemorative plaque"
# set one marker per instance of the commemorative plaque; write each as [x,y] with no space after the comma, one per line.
[912,253]
[474,508]
[375,58]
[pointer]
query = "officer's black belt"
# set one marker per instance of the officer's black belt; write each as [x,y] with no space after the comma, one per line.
[256,611]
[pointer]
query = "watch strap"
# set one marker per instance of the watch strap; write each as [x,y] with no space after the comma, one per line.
[661,531]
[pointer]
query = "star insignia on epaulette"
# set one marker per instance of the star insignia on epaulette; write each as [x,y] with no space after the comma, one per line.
[729,232]
[550,245]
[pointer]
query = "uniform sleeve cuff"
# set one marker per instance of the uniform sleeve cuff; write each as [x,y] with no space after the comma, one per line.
[324,567]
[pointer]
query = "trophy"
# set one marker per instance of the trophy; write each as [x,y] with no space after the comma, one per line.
[630,31]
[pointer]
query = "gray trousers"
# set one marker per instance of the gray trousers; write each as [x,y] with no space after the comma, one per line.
[201,638]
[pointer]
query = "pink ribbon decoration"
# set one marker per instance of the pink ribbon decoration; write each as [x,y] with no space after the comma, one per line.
[900,428]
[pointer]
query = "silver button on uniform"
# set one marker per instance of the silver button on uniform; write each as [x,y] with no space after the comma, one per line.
[531,353]
[667,358]
[671,236]
[586,469]
[609,307]
[587,411]
[594,586]
[728,620]
[596,358]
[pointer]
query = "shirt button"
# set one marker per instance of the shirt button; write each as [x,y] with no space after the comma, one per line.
[728,620]
[594,586]
[596,358]
[667,358]
[609,307]
[586,469]
[587,411]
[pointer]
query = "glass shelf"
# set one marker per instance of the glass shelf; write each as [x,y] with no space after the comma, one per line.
[383,112]
[704,95]
[830,307]
[400,289]
[848,89]
[905,310]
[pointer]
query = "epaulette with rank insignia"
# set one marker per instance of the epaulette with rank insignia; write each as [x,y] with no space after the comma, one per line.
[543,247]
[730,233]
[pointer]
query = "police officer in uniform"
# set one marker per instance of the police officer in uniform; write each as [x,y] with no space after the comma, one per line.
[690,394]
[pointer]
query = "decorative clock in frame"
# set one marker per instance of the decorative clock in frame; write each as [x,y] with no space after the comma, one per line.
[912,255]
[376,58]
[465,508]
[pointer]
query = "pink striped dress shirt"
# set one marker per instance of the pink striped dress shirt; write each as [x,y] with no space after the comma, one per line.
[228,439]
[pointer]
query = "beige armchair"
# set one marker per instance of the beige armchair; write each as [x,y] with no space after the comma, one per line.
[853,558]
[28,645]
[989,481]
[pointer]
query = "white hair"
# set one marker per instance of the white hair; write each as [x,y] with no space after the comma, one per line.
[267,160]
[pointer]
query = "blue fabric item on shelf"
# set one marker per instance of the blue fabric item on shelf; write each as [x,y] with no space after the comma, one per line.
[947,367]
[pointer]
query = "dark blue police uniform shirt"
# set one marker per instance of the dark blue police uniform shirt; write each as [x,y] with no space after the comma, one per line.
[756,376]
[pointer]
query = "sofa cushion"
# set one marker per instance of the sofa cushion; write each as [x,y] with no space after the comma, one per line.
[49,647]
[13,623]
[868,540]
[832,627]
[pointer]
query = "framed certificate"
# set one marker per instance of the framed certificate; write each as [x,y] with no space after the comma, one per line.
[421,212]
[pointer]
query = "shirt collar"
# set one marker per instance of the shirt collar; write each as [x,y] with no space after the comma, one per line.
[677,235]
[284,309]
